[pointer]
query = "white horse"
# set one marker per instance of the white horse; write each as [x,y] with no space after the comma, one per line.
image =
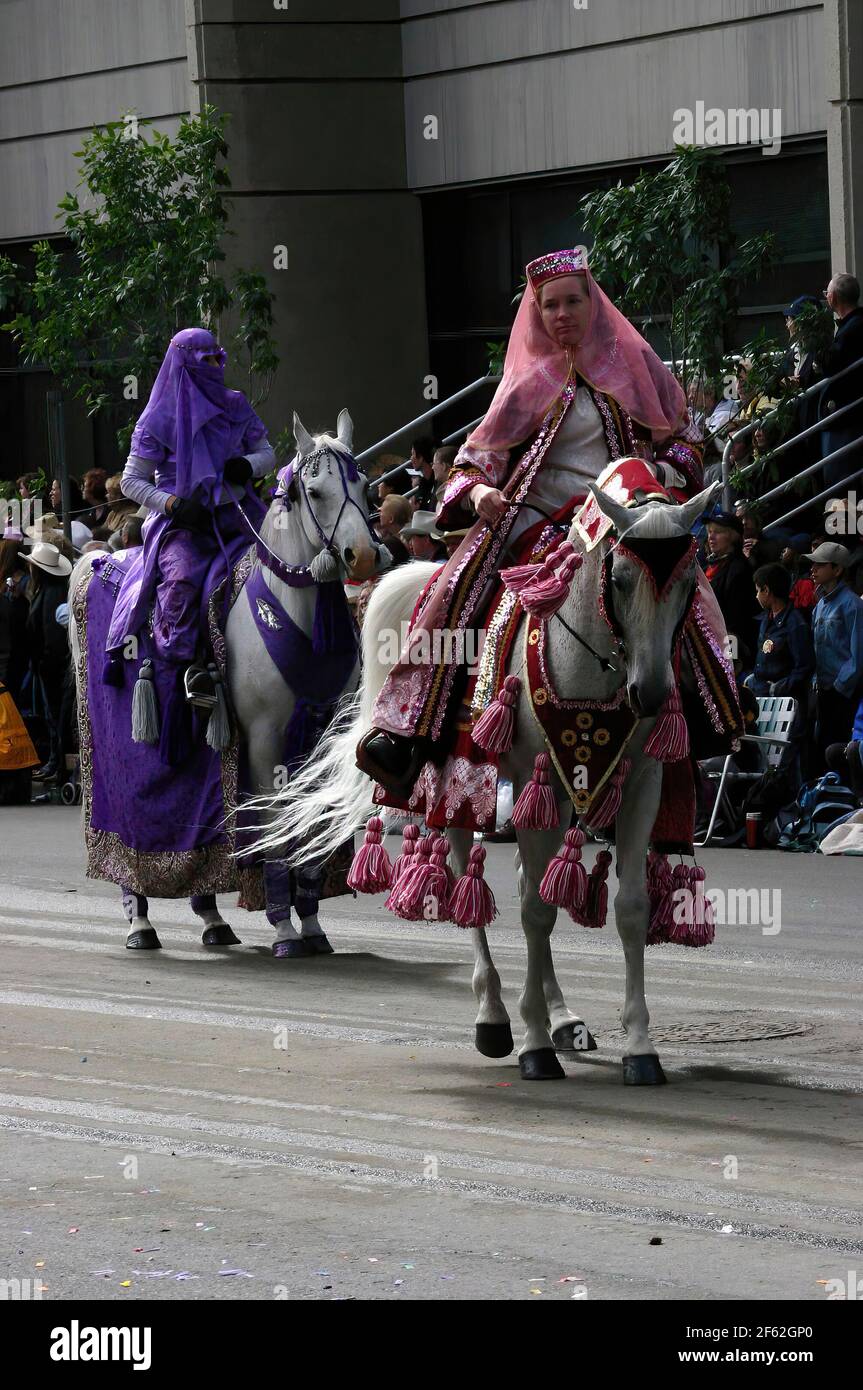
[331,796]
[319,519]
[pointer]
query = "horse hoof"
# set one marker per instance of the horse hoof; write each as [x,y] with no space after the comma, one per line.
[293,949]
[540,1065]
[143,940]
[643,1070]
[493,1039]
[220,935]
[573,1037]
[319,945]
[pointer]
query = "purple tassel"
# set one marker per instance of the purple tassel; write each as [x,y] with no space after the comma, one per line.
[494,730]
[410,835]
[407,899]
[694,925]
[113,672]
[660,887]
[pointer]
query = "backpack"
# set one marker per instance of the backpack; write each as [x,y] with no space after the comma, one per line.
[820,805]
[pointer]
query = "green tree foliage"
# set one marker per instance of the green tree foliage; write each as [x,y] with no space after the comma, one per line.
[145,228]
[664,250]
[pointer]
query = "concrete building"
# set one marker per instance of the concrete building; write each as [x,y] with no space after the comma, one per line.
[412,156]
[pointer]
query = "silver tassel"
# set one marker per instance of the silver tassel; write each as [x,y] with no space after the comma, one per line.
[325,567]
[145,709]
[218,724]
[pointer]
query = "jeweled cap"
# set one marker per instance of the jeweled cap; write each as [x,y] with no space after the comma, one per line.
[555,264]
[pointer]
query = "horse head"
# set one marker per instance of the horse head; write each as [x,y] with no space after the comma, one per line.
[330,494]
[648,584]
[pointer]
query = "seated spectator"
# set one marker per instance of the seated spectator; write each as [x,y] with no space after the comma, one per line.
[76,501]
[120,507]
[716,432]
[95,498]
[843,296]
[837,631]
[395,514]
[784,659]
[47,642]
[131,533]
[421,472]
[14,609]
[752,405]
[802,594]
[398,483]
[443,460]
[757,549]
[730,577]
[422,537]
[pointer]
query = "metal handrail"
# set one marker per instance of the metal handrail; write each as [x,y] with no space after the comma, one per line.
[817,428]
[427,415]
[821,496]
[804,472]
[762,420]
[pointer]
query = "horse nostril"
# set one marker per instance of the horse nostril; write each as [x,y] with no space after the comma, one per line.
[349,557]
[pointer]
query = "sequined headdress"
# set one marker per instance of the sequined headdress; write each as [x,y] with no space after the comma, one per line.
[557,263]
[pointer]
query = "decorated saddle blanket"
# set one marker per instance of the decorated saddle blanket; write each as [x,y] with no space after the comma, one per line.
[586,742]
[161,818]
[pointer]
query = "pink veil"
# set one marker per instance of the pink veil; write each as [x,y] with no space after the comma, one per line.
[613,357]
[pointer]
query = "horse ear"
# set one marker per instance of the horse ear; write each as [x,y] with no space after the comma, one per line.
[620,517]
[305,442]
[346,429]
[690,511]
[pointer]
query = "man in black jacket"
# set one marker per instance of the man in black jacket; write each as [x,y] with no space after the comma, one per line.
[843,296]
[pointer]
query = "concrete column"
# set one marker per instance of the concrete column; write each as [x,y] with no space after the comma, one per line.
[843,20]
[317,165]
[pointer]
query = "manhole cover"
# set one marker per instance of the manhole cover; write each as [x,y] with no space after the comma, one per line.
[737,1025]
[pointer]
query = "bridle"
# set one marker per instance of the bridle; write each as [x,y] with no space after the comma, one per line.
[291,479]
[295,475]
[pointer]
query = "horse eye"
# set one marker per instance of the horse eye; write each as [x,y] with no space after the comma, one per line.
[313,493]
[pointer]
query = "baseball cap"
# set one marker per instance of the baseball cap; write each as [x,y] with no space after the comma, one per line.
[830,553]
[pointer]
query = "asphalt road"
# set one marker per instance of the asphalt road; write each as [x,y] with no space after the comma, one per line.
[216,1124]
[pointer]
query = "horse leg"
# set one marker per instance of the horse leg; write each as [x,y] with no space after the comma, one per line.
[141,935]
[641,1065]
[217,932]
[537,1058]
[265,757]
[492,1031]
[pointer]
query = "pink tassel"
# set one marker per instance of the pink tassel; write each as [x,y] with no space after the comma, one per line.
[669,738]
[408,900]
[564,883]
[595,909]
[536,808]
[604,811]
[544,595]
[518,577]
[371,870]
[494,730]
[696,925]
[410,835]
[660,887]
[472,903]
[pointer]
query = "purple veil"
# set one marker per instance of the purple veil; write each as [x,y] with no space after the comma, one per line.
[194,416]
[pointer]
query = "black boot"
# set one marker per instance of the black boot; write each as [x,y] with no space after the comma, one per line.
[393,761]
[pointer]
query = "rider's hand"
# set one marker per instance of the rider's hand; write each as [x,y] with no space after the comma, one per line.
[489,503]
[238,471]
[191,515]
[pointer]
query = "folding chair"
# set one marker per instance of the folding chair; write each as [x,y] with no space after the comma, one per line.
[772,734]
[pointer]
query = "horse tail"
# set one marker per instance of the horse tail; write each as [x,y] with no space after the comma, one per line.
[329,798]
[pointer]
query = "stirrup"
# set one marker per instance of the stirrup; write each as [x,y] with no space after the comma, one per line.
[199,687]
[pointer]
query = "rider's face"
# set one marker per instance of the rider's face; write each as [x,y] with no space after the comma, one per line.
[565,307]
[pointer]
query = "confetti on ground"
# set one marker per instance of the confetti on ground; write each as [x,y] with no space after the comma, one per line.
[407,1266]
[185,1275]
[396,1282]
[373,1259]
[102,1273]
[536,1290]
[40,1264]
[73,1230]
[572,1279]
[125,1283]
[243,1273]
[503,1083]
[727,1230]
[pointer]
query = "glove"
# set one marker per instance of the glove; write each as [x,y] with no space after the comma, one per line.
[238,471]
[191,515]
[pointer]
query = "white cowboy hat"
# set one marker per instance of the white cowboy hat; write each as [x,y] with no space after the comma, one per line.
[48,558]
[421,524]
